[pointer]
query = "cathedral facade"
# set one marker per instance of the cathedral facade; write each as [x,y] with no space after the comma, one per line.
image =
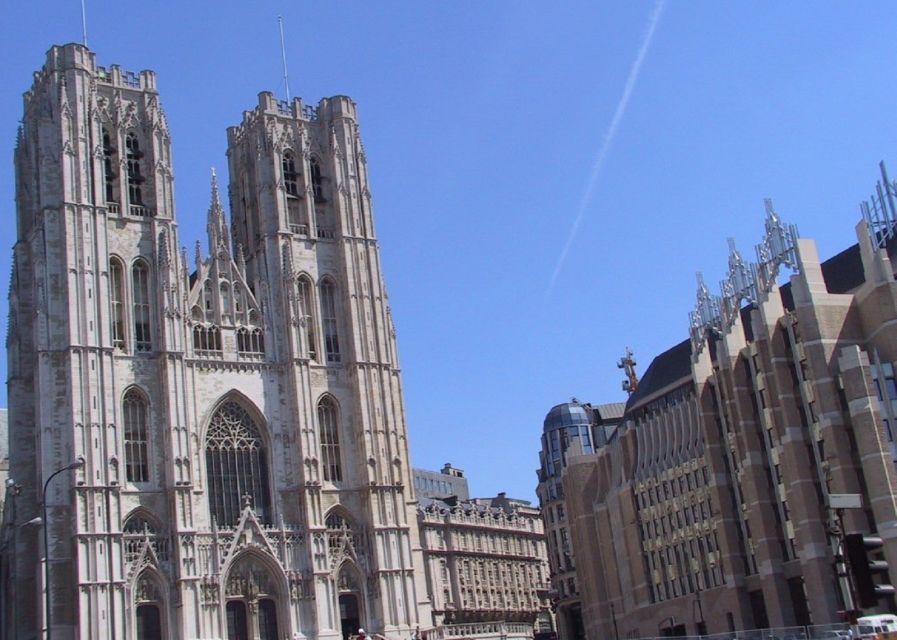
[234,422]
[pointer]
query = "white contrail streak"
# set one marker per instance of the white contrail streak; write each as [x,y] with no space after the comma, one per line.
[609,136]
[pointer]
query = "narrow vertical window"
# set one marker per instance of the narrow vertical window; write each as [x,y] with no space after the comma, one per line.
[224,297]
[135,177]
[306,317]
[329,425]
[328,320]
[140,277]
[117,298]
[109,166]
[134,411]
[317,181]
[290,176]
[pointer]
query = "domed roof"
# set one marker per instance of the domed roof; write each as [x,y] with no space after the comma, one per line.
[566,415]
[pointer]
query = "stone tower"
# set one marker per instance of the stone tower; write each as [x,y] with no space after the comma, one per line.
[239,425]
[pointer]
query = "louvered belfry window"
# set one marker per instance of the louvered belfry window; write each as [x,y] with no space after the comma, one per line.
[236,466]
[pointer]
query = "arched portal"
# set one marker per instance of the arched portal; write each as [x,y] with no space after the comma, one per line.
[148,607]
[350,600]
[254,607]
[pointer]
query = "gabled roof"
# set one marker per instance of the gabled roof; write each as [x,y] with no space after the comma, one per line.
[670,366]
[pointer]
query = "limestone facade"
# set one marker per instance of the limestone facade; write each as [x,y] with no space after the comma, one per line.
[486,561]
[710,509]
[239,419]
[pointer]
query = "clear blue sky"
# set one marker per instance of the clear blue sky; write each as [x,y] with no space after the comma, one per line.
[483,123]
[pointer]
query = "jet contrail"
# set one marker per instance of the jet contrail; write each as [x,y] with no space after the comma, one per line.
[609,136]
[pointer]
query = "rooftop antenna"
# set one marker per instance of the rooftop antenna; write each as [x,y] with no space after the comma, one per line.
[283,55]
[83,24]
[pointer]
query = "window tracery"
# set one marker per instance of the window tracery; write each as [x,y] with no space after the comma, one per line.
[304,290]
[135,409]
[135,176]
[140,279]
[328,423]
[236,465]
[328,320]
[117,299]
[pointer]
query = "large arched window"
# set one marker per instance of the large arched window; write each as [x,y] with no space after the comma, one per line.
[304,289]
[328,423]
[135,177]
[328,320]
[135,410]
[236,465]
[140,277]
[117,298]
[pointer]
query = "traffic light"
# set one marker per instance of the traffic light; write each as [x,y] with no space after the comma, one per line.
[859,547]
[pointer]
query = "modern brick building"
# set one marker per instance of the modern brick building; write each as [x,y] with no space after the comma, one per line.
[711,507]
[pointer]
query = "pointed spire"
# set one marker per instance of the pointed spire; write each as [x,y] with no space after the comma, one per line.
[217,227]
[198,257]
[164,257]
[241,261]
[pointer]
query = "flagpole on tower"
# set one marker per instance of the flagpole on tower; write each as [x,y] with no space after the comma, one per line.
[83,24]
[283,55]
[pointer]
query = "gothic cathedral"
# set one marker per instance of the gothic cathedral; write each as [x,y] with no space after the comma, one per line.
[233,425]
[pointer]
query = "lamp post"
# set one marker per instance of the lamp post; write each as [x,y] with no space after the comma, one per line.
[48,615]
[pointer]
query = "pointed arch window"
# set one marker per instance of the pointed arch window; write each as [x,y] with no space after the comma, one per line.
[206,340]
[250,341]
[290,175]
[239,304]
[328,321]
[305,316]
[109,166]
[117,299]
[236,465]
[139,529]
[140,284]
[328,423]
[135,176]
[224,297]
[317,181]
[135,410]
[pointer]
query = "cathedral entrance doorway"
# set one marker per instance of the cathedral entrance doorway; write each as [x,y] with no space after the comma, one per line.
[348,614]
[251,609]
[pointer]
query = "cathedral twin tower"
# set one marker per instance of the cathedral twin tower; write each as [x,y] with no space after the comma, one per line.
[239,421]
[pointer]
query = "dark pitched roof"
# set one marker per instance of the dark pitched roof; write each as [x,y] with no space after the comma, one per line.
[844,272]
[670,366]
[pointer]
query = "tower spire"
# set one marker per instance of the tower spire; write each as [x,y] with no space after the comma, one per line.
[217,226]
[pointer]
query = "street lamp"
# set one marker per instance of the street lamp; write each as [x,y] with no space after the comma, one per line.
[48,615]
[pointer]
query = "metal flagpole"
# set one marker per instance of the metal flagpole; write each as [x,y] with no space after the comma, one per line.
[283,55]
[83,24]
